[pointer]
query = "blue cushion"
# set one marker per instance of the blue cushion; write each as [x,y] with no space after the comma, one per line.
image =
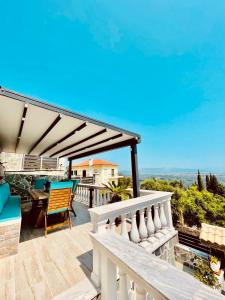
[11,210]
[39,183]
[75,183]
[4,195]
[61,185]
[57,211]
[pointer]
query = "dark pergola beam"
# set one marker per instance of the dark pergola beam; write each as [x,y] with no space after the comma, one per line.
[106,148]
[80,142]
[134,169]
[70,169]
[95,144]
[59,117]
[21,125]
[64,138]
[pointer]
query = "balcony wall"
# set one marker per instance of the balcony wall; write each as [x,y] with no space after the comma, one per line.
[125,262]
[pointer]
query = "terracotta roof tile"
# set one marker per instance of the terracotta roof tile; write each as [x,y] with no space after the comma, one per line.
[213,234]
[96,162]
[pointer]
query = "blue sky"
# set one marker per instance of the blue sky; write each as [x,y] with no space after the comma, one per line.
[154,67]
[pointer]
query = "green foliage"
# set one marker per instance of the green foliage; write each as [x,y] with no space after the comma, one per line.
[204,273]
[190,206]
[125,181]
[214,259]
[119,192]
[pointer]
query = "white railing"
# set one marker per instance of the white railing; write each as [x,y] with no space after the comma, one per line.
[128,272]
[155,222]
[92,195]
[155,216]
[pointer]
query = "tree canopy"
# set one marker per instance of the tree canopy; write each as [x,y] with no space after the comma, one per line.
[191,206]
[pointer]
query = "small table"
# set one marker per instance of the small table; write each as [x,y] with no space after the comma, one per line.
[36,211]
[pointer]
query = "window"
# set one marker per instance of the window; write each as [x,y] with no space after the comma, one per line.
[112,172]
[84,173]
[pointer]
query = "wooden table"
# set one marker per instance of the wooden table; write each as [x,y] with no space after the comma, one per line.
[38,195]
[39,198]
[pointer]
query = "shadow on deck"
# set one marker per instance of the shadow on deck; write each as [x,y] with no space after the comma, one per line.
[57,266]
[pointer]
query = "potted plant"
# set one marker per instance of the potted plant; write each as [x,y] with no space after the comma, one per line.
[119,193]
[214,264]
[205,274]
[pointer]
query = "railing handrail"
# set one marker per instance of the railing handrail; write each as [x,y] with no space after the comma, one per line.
[101,213]
[92,186]
[155,276]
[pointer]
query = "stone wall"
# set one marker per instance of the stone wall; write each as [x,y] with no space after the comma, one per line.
[9,237]
[167,251]
[12,161]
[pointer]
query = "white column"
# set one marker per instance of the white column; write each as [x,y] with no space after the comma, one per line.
[134,234]
[140,292]
[150,224]
[123,293]
[142,227]
[124,232]
[96,272]
[157,222]
[108,279]
[112,224]
[162,216]
[168,213]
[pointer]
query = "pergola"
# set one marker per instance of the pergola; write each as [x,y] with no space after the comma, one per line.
[30,126]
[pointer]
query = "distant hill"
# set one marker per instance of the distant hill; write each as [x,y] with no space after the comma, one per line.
[188,176]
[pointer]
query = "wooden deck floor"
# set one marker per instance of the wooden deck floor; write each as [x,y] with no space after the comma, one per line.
[47,267]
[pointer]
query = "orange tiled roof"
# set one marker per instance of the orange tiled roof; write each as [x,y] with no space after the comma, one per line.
[96,162]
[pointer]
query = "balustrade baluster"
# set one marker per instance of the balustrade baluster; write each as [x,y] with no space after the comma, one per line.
[157,222]
[112,224]
[86,195]
[103,198]
[162,216]
[150,224]
[134,234]
[108,197]
[97,197]
[100,199]
[124,232]
[108,279]
[168,214]
[123,293]
[142,227]
[140,292]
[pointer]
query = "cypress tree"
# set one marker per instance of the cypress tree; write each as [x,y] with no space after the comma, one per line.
[214,184]
[207,180]
[200,182]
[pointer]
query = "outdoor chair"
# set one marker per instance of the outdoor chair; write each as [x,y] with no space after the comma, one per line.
[59,202]
[39,183]
[75,184]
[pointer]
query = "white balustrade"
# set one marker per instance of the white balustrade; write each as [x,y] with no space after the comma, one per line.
[134,234]
[142,227]
[124,231]
[150,223]
[86,193]
[142,276]
[157,221]
[154,216]
[154,222]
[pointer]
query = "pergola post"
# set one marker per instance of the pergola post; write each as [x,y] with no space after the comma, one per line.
[134,168]
[70,169]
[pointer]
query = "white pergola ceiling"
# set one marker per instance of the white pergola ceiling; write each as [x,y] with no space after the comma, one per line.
[29,126]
